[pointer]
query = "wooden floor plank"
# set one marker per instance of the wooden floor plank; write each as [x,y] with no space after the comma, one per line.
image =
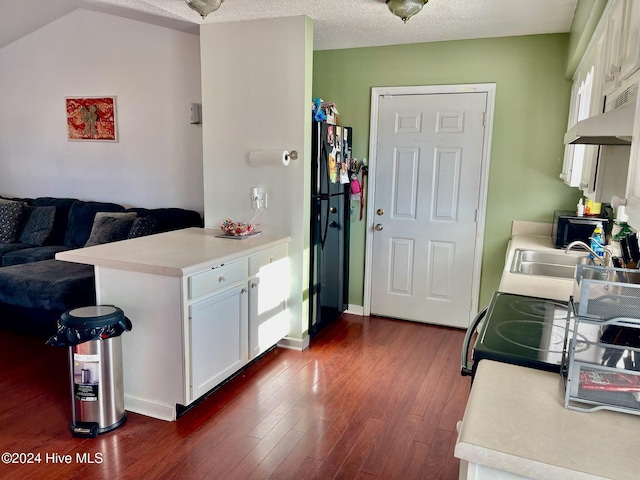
[361,450]
[371,398]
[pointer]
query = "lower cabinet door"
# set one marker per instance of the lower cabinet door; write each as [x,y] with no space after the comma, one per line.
[218,338]
[269,317]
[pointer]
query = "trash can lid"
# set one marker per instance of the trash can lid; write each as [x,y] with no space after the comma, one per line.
[93,316]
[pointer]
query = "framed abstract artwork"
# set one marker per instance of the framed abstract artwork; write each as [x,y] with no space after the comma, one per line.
[91,118]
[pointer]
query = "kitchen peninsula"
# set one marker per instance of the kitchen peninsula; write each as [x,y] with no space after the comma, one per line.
[201,306]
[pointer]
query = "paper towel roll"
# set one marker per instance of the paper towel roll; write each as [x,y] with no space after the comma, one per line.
[266,158]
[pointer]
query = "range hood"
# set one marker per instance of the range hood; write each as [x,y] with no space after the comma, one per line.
[610,128]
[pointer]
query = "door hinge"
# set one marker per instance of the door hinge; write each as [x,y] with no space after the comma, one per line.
[477,215]
[484,119]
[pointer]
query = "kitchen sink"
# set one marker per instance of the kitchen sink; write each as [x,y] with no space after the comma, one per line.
[548,264]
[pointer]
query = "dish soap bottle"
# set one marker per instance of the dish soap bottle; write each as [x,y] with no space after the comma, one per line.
[580,208]
[597,241]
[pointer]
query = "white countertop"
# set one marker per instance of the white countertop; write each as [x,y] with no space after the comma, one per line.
[515,421]
[534,236]
[176,253]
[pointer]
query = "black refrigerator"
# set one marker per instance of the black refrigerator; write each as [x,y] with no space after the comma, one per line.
[329,249]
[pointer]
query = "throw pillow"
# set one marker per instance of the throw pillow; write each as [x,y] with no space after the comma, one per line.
[37,224]
[142,226]
[10,215]
[109,229]
[118,215]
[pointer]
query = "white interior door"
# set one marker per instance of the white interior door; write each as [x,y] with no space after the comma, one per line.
[426,205]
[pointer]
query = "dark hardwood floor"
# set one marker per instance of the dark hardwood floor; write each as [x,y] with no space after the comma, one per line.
[371,398]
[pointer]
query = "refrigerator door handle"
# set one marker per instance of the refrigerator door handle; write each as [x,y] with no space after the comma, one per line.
[466,368]
[324,209]
[324,157]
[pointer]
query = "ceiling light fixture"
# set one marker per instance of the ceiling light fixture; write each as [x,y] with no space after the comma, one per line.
[204,7]
[405,9]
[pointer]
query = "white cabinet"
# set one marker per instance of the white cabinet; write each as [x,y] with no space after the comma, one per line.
[589,154]
[585,96]
[238,311]
[218,338]
[630,57]
[614,46]
[477,471]
[268,292]
[605,80]
[622,48]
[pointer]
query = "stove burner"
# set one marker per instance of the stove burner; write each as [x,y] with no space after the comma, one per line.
[539,308]
[521,332]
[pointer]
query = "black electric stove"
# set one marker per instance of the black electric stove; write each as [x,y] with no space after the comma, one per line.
[520,330]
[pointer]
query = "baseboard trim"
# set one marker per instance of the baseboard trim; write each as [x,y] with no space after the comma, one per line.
[150,409]
[355,310]
[295,343]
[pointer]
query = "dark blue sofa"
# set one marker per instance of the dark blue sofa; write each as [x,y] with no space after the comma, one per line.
[35,289]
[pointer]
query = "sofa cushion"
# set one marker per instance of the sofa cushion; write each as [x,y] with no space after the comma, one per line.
[108,229]
[23,200]
[59,229]
[81,217]
[10,247]
[48,285]
[31,254]
[10,215]
[168,219]
[37,223]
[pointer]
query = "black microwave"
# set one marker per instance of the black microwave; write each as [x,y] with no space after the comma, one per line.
[567,227]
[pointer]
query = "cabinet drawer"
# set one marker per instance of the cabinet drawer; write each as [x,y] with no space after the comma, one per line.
[259,260]
[217,278]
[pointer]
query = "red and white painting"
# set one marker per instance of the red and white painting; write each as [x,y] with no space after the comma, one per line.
[91,118]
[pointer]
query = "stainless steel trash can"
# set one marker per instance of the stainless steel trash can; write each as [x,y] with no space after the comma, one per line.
[95,363]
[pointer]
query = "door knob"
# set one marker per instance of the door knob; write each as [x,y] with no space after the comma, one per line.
[379,227]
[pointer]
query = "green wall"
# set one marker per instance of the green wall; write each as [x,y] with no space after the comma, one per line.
[585,21]
[532,103]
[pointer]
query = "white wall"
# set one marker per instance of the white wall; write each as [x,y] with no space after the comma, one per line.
[256,95]
[155,74]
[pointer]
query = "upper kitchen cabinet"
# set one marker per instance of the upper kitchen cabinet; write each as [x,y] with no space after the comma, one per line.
[614,45]
[601,117]
[585,102]
[622,47]
[630,58]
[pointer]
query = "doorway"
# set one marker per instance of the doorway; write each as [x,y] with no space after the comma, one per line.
[428,176]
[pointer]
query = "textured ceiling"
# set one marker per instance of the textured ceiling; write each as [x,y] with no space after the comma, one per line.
[337,23]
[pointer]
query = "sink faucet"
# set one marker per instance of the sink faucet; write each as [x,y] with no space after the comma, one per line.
[604,262]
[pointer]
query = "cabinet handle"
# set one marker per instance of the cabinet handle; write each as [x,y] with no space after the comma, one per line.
[222,278]
[271,260]
[244,290]
[253,285]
